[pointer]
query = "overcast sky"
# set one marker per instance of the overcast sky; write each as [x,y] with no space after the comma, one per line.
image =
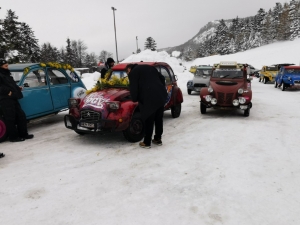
[169,22]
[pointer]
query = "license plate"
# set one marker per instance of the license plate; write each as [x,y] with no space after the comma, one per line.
[88,125]
[197,89]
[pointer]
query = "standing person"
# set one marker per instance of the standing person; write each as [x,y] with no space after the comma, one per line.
[147,87]
[108,65]
[15,118]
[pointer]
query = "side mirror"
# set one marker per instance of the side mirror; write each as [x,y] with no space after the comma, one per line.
[175,77]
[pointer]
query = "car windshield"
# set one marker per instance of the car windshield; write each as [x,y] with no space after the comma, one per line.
[203,72]
[118,74]
[293,71]
[271,68]
[229,73]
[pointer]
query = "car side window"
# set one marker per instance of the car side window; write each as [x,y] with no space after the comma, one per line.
[73,76]
[35,78]
[165,73]
[56,77]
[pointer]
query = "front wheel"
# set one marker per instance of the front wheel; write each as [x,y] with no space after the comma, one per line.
[283,87]
[3,131]
[276,84]
[247,112]
[202,108]
[135,131]
[189,91]
[176,110]
[266,80]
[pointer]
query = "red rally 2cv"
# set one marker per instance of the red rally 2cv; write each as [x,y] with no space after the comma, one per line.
[110,108]
[229,88]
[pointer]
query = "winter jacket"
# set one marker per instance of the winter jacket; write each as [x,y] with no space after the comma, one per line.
[8,84]
[147,87]
[104,70]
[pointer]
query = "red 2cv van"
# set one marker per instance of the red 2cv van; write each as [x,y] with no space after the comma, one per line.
[229,88]
[110,108]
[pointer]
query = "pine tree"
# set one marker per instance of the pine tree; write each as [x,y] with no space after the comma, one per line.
[150,44]
[29,49]
[188,54]
[266,33]
[294,20]
[50,53]
[283,26]
[10,37]
[70,57]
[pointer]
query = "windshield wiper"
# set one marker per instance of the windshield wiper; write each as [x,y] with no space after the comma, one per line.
[225,76]
[236,77]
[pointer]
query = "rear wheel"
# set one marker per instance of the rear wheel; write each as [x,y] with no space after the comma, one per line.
[176,110]
[283,87]
[276,85]
[266,80]
[3,131]
[189,91]
[202,108]
[135,131]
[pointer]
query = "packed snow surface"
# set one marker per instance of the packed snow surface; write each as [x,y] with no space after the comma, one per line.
[217,168]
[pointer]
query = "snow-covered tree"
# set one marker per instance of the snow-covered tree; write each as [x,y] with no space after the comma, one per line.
[294,19]
[70,57]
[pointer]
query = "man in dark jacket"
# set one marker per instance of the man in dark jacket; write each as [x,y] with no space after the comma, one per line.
[108,65]
[15,118]
[147,87]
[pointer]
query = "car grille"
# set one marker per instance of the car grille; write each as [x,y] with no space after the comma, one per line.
[90,115]
[224,98]
[199,85]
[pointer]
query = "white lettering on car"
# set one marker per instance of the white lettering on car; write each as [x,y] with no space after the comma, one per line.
[95,100]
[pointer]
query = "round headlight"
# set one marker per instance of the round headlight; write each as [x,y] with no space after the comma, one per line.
[213,101]
[210,90]
[208,98]
[289,78]
[240,91]
[242,100]
[235,102]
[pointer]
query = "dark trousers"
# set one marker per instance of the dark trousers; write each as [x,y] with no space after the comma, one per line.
[156,119]
[15,118]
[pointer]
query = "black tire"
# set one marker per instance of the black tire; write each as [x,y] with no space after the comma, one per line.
[266,80]
[3,132]
[189,91]
[276,85]
[259,79]
[202,108]
[176,110]
[80,133]
[283,87]
[135,131]
[247,112]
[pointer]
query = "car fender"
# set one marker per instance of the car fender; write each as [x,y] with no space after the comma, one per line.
[203,92]
[124,114]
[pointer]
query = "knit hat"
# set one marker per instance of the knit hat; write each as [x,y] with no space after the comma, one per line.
[109,60]
[2,62]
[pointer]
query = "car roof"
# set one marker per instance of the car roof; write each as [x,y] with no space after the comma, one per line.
[204,67]
[20,66]
[291,67]
[283,64]
[122,66]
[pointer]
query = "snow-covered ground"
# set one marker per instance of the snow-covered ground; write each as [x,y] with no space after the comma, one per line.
[218,168]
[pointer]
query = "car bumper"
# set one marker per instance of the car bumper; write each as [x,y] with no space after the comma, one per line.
[242,107]
[89,126]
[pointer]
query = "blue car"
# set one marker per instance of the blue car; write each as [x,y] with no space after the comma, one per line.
[46,89]
[288,77]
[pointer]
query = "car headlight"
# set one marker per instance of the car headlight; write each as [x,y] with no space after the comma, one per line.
[113,105]
[210,90]
[213,101]
[241,91]
[74,102]
[289,78]
[208,98]
[242,100]
[235,102]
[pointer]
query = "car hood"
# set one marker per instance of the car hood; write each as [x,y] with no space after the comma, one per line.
[271,73]
[226,86]
[97,100]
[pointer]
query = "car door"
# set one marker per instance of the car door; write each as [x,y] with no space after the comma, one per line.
[169,86]
[37,98]
[60,88]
